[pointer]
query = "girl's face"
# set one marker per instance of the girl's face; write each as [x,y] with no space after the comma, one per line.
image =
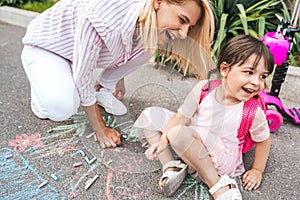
[174,21]
[243,81]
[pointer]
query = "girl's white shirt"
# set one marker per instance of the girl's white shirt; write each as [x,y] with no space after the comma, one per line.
[89,34]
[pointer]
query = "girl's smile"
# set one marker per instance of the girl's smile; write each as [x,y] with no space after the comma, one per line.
[242,81]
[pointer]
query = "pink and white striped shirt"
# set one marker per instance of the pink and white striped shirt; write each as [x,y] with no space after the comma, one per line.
[89,34]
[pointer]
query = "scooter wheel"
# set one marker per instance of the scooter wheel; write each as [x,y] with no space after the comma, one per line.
[274,119]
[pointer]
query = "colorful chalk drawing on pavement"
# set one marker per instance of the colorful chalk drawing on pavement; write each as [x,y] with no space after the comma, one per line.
[14,171]
[19,179]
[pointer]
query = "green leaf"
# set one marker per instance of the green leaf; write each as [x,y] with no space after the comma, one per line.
[243,18]
[261,27]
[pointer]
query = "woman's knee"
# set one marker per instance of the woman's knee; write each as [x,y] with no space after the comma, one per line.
[59,109]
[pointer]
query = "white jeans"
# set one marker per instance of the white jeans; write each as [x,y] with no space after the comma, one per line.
[53,91]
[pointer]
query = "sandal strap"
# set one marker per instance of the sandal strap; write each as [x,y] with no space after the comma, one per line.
[223,181]
[174,163]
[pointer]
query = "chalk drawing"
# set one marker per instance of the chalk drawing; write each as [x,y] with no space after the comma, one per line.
[199,189]
[23,141]
[18,179]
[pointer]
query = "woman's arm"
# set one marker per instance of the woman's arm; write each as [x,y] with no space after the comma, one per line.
[107,137]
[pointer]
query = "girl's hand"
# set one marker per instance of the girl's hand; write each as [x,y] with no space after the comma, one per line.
[110,138]
[155,149]
[252,179]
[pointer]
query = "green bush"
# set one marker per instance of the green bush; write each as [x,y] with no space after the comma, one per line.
[37,6]
[253,17]
[13,3]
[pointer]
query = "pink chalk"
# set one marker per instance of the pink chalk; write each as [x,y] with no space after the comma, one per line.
[90,182]
[9,156]
[43,184]
[77,164]
[95,138]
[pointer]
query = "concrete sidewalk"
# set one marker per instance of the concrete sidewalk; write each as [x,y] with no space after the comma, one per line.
[124,172]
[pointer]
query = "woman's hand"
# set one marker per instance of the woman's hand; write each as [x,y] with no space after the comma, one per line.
[110,138]
[155,149]
[252,179]
[119,90]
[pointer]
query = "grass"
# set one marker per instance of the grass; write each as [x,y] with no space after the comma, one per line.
[36,6]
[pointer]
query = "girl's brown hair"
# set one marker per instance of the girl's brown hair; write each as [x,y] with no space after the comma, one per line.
[238,49]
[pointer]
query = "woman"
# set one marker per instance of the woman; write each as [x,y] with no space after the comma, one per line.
[65,44]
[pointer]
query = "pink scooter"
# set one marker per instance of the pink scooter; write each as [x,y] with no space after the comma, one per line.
[280,44]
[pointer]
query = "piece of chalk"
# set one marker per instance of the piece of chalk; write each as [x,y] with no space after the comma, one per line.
[86,159]
[95,138]
[93,160]
[43,184]
[144,144]
[82,153]
[77,164]
[102,154]
[108,162]
[54,177]
[9,156]
[90,182]
[49,131]
[90,135]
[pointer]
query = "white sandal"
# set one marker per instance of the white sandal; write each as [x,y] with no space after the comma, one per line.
[232,194]
[174,178]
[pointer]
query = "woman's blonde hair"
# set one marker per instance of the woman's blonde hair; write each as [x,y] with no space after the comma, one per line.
[195,49]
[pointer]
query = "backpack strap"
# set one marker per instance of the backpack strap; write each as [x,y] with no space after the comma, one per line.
[208,87]
[249,111]
[248,114]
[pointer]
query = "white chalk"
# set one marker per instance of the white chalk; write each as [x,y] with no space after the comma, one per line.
[144,144]
[43,184]
[86,159]
[90,182]
[93,160]
[95,138]
[108,162]
[90,135]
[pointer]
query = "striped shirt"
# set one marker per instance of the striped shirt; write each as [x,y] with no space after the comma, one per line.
[89,34]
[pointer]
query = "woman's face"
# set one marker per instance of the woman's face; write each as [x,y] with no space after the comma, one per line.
[174,21]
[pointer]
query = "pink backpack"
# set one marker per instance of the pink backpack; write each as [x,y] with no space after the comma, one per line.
[249,110]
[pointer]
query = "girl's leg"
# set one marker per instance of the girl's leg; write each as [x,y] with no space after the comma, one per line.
[153,120]
[190,148]
[53,92]
[154,137]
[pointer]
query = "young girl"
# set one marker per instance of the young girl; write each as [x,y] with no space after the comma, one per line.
[204,135]
[64,45]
